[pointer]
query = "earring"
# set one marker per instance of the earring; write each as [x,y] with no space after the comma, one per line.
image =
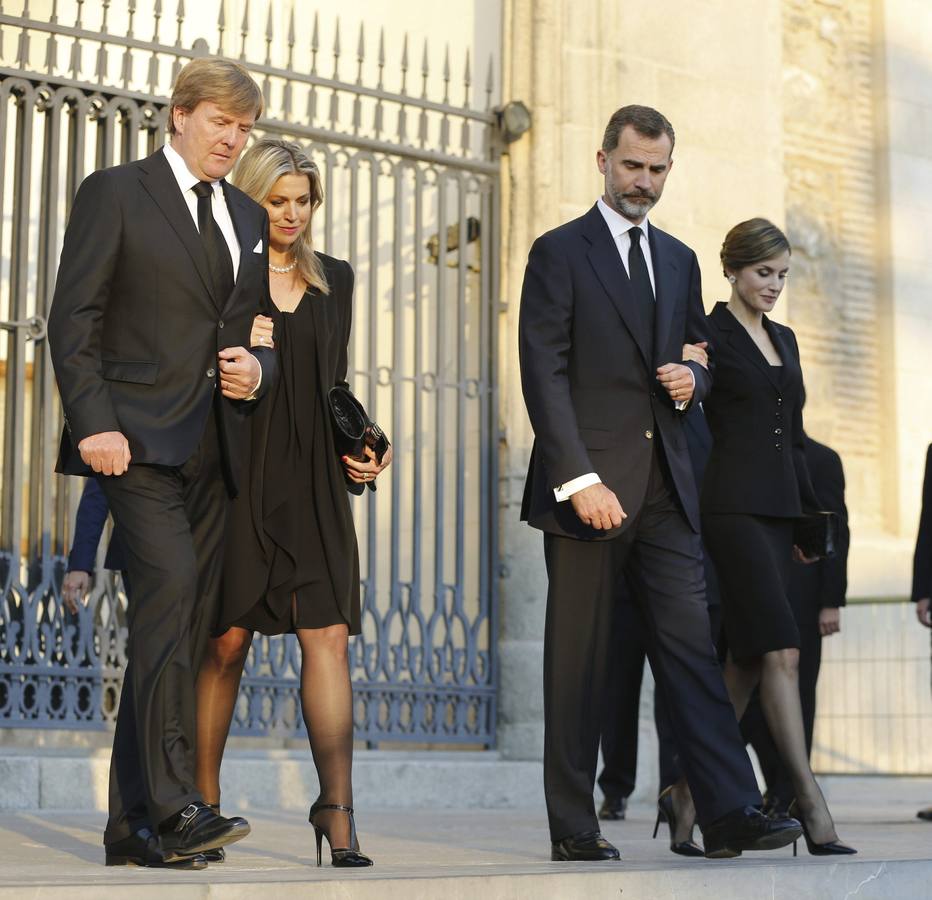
[732,279]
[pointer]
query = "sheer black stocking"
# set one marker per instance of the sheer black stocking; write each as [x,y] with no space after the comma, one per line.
[779,697]
[217,689]
[327,704]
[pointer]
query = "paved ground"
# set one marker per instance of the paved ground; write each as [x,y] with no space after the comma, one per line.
[491,854]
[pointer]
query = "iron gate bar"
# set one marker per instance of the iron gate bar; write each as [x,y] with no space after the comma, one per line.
[425,668]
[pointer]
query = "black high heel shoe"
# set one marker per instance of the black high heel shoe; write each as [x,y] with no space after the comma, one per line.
[665,811]
[829,848]
[340,857]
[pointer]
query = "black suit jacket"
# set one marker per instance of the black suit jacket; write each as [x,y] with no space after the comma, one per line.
[824,583]
[589,378]
[134,327]
[922,561]
[758,463]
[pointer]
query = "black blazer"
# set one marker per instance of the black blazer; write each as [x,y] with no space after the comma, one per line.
[922,561]
[758,464]
[134,327]
[824,583]
[589,378]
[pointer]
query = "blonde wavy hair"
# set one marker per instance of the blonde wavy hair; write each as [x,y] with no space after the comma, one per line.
[259,168]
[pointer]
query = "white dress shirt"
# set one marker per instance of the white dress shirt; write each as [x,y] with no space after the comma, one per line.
[218,203]
[620,227]
[218,206]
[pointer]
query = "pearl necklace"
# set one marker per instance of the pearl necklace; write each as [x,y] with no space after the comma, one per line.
[284,270]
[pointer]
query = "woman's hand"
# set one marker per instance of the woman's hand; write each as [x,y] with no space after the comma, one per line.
[261,334]
[696,353]
[364,472]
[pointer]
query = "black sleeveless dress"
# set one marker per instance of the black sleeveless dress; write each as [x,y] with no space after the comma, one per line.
[291,558]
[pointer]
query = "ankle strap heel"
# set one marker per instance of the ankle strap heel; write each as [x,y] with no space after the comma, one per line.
[340,857]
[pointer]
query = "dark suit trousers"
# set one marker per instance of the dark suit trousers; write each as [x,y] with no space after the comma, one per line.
[661,557]
[621,708]
[172,520]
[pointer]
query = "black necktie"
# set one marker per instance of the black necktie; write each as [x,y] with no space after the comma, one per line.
[215,246]
[641,287]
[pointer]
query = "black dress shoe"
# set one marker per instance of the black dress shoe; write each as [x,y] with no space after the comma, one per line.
[219,855]
[590,845]
[925,814]
[142,848]
[748,829]
[613,808]
[198,828]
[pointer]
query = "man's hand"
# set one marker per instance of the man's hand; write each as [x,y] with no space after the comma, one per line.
[678,382]
[261,333]
[923,612]
[106,453]
[74,587]
[800,557]
[829,621]
[239,373]
[697,353]
[598,507]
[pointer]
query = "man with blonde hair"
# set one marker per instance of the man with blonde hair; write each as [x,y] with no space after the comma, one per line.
[163,268]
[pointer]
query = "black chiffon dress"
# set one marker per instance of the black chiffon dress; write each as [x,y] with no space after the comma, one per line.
[291,558]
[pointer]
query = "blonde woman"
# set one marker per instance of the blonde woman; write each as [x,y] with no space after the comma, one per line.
[291,562]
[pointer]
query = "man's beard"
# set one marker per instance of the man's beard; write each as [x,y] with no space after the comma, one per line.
[634,205]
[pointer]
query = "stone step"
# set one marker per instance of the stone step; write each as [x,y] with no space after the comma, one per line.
[464,854]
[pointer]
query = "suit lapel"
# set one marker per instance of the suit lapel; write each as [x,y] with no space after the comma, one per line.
[240,213]
[740,340]
[159,181]
[609,269]
[665,293]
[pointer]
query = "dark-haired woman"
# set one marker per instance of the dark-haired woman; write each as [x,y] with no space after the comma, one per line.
[756,484]
[291,562]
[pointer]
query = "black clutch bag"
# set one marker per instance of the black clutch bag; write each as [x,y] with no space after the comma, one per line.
[816,534]
[353,430]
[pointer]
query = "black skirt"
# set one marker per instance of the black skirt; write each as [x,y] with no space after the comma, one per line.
[752,557]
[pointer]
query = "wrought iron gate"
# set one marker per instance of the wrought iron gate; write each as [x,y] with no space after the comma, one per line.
[412,197]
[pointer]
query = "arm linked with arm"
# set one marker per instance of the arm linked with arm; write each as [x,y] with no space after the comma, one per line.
[697,332]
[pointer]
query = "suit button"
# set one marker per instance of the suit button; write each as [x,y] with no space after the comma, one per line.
[220,324]
[648,434]
[778,446]
[778,431]
[779,401]
[211,373]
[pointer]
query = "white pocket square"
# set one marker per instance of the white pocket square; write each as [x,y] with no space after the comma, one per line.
[258,247]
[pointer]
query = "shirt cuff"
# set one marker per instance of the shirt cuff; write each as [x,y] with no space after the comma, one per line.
[568,488]
[682,404]
[255,390]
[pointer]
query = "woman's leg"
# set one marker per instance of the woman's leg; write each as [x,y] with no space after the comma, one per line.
[217,689]
[779,694]
[327,704]
[740,680]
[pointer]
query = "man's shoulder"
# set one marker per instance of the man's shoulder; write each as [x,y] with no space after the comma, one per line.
[245,200]
[671,244]
[567,232]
